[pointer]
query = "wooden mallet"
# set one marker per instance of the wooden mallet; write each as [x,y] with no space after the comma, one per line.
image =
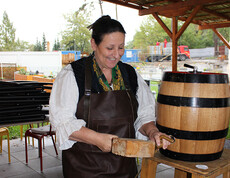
[136,148]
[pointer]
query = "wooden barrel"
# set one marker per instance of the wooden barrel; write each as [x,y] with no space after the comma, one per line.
[195,109]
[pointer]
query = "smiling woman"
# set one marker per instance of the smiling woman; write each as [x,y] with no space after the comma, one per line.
[98,98]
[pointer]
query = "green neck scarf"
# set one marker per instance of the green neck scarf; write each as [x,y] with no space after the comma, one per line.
[117,80]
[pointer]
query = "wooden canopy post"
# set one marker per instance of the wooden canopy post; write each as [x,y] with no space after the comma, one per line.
[221,37]
[174,35]
[214,14]
[174,43]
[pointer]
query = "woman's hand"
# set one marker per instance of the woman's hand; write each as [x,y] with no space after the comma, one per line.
[154,135]
[104,141]
[151,131]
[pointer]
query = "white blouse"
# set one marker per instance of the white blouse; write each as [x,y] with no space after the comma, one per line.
[63,105]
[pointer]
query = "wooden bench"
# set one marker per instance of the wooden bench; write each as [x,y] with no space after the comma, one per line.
[185,169]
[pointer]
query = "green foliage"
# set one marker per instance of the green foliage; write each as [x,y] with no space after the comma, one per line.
[129,45]
[195,38]
[77,36]
[228,136]
[44,43]
[38,46]
[150,32]
[154,86]
[22,71]
[14,131]
[7,34]
[57,45]
[22,45]
[8,41]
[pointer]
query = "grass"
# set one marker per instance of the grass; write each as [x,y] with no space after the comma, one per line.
[14,131]
[154,86]
[228,136]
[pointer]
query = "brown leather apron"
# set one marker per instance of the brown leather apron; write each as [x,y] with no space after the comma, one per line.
[112,112]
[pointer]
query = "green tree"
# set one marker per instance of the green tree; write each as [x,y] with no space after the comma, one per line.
[77,36]
[225,32]
[57,45]
[37,46]
[22,45]
[150,32]
[44,43]
[195,38]
[129,45]
[7,34]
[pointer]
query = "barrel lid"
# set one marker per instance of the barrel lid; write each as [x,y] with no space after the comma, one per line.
[203,77]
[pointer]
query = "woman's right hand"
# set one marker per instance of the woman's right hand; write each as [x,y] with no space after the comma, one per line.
[104,141]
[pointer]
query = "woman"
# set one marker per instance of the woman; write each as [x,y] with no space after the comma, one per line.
[96,99]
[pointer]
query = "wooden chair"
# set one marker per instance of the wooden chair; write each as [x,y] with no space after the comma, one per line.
[5,131]
[39,134]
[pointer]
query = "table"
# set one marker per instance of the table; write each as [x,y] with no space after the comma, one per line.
[185,169]
[26,122]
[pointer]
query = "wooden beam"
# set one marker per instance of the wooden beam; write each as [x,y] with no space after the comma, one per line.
[177,5]
[188,21]
[124,3]
[218,2]
[216,25]
[175,12]
[215,13]
[222,38]
[197,22]
[162,25]
[174,44]
[154,3]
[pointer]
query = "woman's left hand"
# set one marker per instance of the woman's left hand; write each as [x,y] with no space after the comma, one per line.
[151,131]
[154,135]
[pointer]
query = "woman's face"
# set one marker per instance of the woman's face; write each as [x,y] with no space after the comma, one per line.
[110,50]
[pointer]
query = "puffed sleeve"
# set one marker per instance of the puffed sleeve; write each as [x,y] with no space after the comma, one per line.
[146,107]
[63,104]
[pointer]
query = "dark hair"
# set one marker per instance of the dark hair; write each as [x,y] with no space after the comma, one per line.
[105,25]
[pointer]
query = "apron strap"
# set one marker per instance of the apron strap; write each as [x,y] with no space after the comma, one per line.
[87,95]
[88,79]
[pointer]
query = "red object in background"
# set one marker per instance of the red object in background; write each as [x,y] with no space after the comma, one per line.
[165,43]
[158,43]
[184,50]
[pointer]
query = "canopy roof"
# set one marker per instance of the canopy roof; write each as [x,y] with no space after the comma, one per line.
[208,14]
[211,14]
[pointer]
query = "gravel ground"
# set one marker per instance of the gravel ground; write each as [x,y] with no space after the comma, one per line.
[227,143]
